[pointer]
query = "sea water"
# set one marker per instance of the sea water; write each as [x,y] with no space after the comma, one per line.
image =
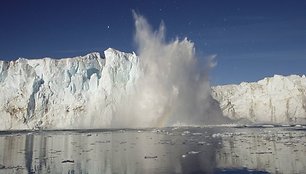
[255,149]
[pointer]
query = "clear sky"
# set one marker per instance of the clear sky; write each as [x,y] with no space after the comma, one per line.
[251,38]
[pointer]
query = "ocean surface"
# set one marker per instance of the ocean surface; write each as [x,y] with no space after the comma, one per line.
[257,149]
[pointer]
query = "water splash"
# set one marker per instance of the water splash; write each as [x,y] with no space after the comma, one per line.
[172,88]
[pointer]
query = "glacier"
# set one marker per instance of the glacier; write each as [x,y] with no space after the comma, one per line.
[77,92]
[100,91]
[277,99]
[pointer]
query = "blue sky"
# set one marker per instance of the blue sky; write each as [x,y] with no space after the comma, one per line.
[252,39]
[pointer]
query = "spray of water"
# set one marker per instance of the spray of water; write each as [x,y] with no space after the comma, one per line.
[171,89]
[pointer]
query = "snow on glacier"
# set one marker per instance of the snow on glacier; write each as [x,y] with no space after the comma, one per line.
[278,99]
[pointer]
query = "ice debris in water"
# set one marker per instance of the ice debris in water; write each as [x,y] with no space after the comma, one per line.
[185,133]
[150,157]
[216,135]
[193,152]
[68,161]
[201,143]
[197,133]
[190,153]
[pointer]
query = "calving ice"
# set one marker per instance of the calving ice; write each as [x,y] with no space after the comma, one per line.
[162,86]
[91,91]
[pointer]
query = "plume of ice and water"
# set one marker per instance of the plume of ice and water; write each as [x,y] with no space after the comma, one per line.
[172,88]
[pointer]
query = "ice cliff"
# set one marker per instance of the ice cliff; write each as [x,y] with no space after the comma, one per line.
[111,91]
[278,99]
[64,93]
[95,91]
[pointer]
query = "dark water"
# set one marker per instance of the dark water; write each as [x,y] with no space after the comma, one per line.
[169,150]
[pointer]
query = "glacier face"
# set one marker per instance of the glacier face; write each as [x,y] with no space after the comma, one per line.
[65,93]
[278,99]
[95,91]
[111,91]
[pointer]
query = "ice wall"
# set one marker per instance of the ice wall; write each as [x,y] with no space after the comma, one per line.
[111,91]
[79,92]
[278,99]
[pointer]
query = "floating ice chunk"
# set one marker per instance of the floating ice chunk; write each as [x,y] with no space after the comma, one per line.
[193,152]
[185,133]
[197,134]
[68,161]
[156,131]
[268,126]
[201,142]
[150,157]
[216,135]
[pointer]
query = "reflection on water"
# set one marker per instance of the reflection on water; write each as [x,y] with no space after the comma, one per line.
[273,150]
[170,150]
